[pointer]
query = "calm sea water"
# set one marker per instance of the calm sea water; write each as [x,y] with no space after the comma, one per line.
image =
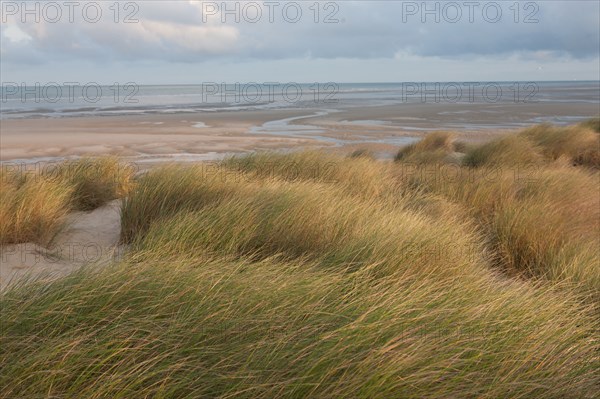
[54,101]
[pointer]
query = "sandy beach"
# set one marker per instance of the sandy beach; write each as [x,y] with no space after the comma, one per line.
[148,135]
[209,135]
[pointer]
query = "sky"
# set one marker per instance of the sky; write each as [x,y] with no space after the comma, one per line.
[192,42]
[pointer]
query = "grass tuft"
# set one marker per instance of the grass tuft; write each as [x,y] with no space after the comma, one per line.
[96,181]
[32,210]
[34,204]
[580,146]
[435,147]
[506,151]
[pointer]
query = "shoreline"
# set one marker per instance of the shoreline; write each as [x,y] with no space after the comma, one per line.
[205,136]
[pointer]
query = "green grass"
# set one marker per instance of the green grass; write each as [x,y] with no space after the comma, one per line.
[192,327]
[313,275]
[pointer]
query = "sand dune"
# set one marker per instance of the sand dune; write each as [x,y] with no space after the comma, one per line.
[87,237]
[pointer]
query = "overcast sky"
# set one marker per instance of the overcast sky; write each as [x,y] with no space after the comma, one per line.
[179,42]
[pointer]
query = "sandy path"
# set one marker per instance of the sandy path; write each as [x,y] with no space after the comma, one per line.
[88,237]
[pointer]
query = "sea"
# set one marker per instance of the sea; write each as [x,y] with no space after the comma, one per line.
[69,100]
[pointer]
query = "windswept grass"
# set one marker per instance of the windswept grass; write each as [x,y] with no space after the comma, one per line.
[34,204]
[539,211]
[309,220]
[362,153]
[511,150]
[313,275]
[593,124]
[544,223]
[187,327]
[164,192]
[435,147]
[576,144]
[31,210]
[96,181]
[359,176]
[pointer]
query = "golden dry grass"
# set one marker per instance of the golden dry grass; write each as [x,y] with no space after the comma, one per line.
[435,147]
[95,180]
[312,275]
[32,210]
[537,208]
[34,203]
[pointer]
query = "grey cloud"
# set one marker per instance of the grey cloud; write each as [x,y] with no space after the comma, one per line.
[175,32]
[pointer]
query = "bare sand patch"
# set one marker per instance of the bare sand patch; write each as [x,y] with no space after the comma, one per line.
[88,238]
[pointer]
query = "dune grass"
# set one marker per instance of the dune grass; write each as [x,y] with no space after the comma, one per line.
[362,153]
[576,145]
[95,181]
[538,209]
[31,210]
[542,223]
[360,176]
[282,218]
[35,202]
[190,327]
[579,145]
[593,124]
[312,275]
[511,150]
[164,192]
[434,148]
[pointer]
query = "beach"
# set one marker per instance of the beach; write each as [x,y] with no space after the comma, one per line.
[364,120]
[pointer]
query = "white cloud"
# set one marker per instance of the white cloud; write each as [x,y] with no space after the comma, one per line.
[16,35]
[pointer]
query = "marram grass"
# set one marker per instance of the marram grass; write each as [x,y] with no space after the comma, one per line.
[310,275]
[34,204]
[191,327]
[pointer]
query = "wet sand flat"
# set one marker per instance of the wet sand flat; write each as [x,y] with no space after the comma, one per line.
[215,133]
